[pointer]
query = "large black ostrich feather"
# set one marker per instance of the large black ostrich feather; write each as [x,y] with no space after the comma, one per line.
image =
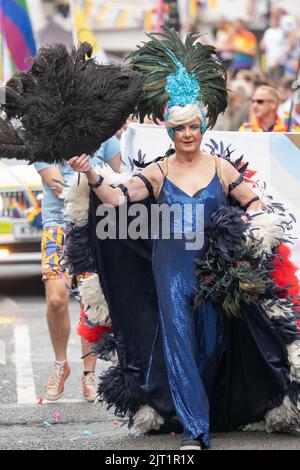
[66,104]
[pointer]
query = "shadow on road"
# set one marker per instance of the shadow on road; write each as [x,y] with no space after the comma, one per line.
[21,280]
[15,287]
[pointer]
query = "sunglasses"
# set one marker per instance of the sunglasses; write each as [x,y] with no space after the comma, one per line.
[261,101]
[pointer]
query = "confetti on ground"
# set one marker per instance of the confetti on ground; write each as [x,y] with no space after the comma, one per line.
[40,401]
[46,424]
[172,434]
[96,401]
[116,424]
[57,417]
[88,433]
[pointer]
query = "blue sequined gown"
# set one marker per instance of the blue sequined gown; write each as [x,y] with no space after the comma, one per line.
[191,338]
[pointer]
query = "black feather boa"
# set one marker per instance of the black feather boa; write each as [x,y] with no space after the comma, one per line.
[67,104]
[105,346]
[231,272]
[286,328]
[225,233]
[117,391]
[78,255]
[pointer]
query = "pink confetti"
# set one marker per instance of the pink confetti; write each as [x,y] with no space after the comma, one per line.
[40,401]
[57,417]
[173,434]
[116,424]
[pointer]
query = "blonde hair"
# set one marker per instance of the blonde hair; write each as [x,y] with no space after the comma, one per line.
[179,115]
[272,91]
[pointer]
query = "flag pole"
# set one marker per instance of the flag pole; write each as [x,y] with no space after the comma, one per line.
[72,4]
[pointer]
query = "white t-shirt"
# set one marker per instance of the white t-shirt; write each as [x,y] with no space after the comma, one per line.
[276,46]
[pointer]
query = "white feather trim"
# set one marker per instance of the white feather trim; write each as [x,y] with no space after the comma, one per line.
[147,419]
[294,360]
[255,427]
[111,177]
[77,196]
[77,199]
[284,418]
[94,301]
[113,357]
[282,308]
[266,226]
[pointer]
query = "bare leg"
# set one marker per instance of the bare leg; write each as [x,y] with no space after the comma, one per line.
[57,297]
[89,362]
[88,380]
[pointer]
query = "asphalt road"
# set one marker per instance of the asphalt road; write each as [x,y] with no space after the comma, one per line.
[25,424]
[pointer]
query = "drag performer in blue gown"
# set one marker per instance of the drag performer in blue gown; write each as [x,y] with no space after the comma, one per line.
[191,338]
[205,348]
[205,339]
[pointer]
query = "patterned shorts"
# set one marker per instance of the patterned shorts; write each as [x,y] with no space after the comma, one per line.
[52,251]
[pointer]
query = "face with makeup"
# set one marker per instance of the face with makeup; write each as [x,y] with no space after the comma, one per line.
[187,137]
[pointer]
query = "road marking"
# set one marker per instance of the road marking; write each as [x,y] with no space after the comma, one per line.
[65,400]
[7,320]
[24,372]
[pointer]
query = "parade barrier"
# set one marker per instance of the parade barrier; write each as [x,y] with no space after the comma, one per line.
[275,157]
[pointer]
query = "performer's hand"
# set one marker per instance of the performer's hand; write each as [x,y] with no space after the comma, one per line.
[81,164]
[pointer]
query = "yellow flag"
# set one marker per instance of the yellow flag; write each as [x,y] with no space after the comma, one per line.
[193,9]
[102,12]
[87,8]
[122,18]
[148,20]
[212,4]
[84,33]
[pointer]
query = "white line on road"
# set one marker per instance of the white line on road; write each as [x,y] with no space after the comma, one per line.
[65,400]
[25,381]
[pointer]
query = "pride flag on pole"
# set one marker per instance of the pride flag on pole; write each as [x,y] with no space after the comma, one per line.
[84,33]
[16,26]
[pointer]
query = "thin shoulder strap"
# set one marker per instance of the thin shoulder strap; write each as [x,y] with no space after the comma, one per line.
[157,163]
[219,173]
[164,171]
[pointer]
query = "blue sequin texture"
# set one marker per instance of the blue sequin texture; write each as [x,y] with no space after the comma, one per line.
[191,338]
[182,88]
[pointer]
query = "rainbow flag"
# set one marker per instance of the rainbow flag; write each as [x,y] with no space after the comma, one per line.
[16,26]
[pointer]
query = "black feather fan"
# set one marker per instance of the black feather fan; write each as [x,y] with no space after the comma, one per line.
[66,104]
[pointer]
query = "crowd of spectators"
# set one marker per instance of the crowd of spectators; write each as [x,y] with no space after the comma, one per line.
[263,74]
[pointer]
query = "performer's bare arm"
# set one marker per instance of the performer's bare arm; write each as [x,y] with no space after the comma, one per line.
[48,175]
[137,189]
[242,193]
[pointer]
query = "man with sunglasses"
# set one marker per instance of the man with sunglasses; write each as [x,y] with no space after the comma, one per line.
[264,112]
